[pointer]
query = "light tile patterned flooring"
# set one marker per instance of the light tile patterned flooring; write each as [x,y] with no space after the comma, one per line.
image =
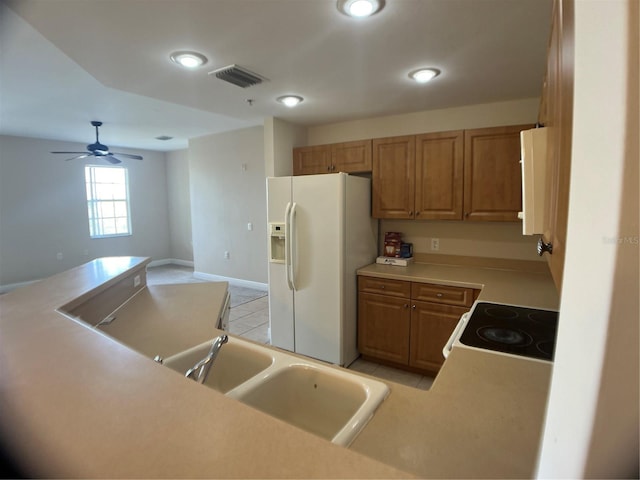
[249,318]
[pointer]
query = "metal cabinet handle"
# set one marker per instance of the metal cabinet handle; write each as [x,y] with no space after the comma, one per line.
[406,305]
[413,306]
[544,247]
[410,212]
[439,295]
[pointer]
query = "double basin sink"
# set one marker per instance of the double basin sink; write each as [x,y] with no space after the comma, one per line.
[324,400]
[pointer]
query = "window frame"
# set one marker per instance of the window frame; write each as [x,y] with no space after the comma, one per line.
[93,211]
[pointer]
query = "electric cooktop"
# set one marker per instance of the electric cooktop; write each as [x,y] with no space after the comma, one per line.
[527,332]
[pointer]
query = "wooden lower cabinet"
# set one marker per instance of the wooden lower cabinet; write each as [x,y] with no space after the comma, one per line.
[431,327]
[398,327]
[383,327]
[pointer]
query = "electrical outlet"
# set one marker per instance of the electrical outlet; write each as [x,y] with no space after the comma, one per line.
[227,255]
[137,281]
[249,226]
[435,244]
[59,256]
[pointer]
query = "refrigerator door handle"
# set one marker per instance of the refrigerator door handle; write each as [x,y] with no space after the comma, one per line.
[287,242]
[292,245]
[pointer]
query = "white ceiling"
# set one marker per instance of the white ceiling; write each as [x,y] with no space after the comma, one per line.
[67,62]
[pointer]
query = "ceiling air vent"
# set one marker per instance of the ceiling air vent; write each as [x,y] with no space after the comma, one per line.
[238,76]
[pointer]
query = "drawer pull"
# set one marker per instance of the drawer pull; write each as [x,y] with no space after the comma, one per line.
[413,306]
[382,287]
[439,295]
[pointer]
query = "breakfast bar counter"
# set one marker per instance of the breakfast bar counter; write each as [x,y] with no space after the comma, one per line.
[77,403]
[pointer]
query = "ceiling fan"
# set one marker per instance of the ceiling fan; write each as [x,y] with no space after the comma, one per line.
[97,149]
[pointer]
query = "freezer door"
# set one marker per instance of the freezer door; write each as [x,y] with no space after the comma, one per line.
[280,295]
[318,264]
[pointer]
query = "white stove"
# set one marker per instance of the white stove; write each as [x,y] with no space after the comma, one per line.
[511,330]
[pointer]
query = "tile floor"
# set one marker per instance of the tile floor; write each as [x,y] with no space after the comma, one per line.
[249,318]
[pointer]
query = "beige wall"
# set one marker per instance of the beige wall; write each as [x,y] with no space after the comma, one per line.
[498,240]
[43,210]
[472,116]
[280,138]
[475,239]
[224,198]
[179,201]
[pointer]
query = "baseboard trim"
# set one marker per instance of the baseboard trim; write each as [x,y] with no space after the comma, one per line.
[232,281]
[170,261]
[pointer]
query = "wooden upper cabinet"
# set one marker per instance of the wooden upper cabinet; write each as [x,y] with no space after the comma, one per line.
[312,160]
[557,115]
[439,175]
[492,174]
[351,157]
[393,177]
[347,157]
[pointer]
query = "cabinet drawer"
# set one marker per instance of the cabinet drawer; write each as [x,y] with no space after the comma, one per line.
[442,294]
[384,286]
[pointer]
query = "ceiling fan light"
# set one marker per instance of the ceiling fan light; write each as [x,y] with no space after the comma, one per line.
[290,100]
[188,59]
[424,75]
[360,8]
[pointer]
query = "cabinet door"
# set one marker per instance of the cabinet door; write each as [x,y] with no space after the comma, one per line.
[431,327]
[558,117]
[492,174]
[393,186]
[383,327]
[312,160]
[439,175]
[351,157]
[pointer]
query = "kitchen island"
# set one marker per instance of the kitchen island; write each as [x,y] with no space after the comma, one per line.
[77,403]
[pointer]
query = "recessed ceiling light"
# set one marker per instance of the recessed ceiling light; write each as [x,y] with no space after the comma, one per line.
[188,59]
[360,8]
[424,75]
[290,100]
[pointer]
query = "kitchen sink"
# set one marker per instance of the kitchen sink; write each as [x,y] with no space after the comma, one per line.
[328,401]
[320,400]
[237,362]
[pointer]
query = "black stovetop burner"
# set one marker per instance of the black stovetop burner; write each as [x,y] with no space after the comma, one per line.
[510,329]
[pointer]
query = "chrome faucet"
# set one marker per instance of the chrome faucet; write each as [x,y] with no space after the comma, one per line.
[200,370]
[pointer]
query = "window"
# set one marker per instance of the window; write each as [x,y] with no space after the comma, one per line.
[108,201]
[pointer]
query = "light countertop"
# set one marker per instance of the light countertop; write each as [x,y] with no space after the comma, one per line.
[168,319]
[76,403]
[483,415]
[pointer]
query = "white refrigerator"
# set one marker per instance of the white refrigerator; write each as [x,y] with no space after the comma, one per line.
[320,232]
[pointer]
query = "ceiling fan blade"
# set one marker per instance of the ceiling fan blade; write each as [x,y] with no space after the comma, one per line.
[111,159]
[71,153]
[128,155]
[84,155]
